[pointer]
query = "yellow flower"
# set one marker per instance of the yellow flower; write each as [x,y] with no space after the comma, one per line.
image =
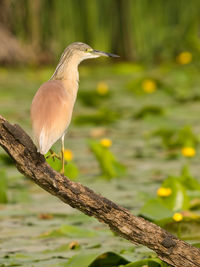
[105,142]
[177,217]
[164,191]
[74,245]
[188,152]
[102,88]
[149,86]
[68,155]
[184,58]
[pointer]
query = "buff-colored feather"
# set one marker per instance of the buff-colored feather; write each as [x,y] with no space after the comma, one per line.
[52,106]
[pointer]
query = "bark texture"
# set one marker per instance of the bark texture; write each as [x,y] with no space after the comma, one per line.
[32,164]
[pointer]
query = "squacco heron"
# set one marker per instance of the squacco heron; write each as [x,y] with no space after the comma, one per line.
[53,103]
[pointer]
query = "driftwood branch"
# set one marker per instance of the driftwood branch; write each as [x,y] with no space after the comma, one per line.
[32,164]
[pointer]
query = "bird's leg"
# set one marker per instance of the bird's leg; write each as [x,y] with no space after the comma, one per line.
[53,155]
[62,154]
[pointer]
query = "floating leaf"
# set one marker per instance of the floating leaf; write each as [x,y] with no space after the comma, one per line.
[75,231]
[147,262]
[83,259]
[71,170]
[178,200]
[110,259]
[54,162]
[187,180]
[155,210]
[188,229]
[86,259]
[109,165]
[71,231]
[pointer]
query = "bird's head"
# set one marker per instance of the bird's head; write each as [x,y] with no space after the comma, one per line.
[83,51]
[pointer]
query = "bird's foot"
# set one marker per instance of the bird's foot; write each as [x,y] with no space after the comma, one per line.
[62,171]
[53,155]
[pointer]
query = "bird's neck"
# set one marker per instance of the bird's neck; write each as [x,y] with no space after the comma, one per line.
[67,72]
[67,69]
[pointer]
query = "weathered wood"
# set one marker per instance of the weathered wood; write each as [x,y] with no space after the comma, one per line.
[32,164]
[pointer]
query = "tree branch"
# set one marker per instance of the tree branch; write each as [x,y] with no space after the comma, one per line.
[32,164]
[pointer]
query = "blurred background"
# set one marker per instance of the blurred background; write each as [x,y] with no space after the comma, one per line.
[38,31]
[135,130]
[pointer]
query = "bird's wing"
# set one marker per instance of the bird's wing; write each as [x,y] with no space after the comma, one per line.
[51,113]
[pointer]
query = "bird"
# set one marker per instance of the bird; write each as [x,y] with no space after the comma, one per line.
[53,103]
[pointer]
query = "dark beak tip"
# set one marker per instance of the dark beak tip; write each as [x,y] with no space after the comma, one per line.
[105,53]
[113,55]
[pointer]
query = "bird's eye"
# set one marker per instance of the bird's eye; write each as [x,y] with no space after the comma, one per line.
[88,50]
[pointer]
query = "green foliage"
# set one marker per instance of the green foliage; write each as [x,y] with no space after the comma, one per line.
[179,199]
[71,169]
[148,262]
[141,26]
[5,159]
[188,181]
[3,187]
[86,259]
[70,231]
[144,173]
[101,117]
[92,98]
[179,81]
[172,138]
[139,86]
[11,191]
[148,111]
[162,208]
[155,210]
[110,259]
[83,259]
[135,86]
[110,167]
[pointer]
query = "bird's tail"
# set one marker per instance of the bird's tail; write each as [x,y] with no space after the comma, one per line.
[43,145]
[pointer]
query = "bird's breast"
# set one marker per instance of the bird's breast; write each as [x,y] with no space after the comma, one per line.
[51,112]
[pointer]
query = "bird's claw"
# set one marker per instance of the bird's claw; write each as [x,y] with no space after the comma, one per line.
[53,155]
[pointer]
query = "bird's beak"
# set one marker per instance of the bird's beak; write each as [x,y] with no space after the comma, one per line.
[104,54]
